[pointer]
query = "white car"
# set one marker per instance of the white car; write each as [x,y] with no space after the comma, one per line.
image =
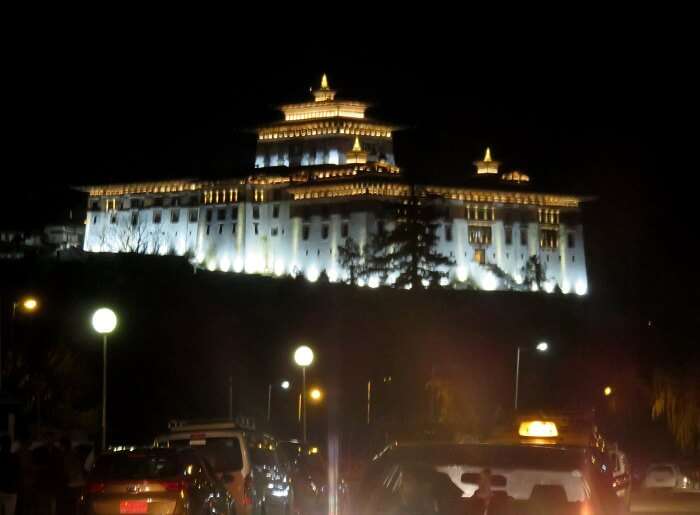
[665,475]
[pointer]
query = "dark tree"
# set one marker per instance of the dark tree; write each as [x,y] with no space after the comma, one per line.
[351,258]
[534,272]
[409,248]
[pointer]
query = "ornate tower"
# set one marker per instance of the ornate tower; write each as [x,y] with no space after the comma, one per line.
[323,132]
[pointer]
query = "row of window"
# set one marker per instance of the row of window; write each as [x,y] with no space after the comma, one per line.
[325,230]
[477,235]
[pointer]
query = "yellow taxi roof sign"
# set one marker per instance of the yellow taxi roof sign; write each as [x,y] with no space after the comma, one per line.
[538,429]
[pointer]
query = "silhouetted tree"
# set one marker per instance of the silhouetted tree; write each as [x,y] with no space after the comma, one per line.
[676,397]
[351,258]
[409,248]
[534,272]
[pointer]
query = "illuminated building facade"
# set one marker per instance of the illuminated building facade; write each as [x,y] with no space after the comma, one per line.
[326,173]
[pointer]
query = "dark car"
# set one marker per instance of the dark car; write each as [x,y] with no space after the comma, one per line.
[155,481]
[309,473]
[271,481]
[477,478]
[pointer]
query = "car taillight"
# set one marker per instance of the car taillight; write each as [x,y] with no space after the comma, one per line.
[175,486]
[248,491]
[95,487]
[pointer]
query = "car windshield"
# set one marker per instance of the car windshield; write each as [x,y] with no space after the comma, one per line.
[262,456]
[137,465]
[661,470]
[223,454]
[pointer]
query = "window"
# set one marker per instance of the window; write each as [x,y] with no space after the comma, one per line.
[325,214]
[380,227]
[157,216]
[94,205]
[276,211]
[256,227]
[134,218]
[221,214]
[208,230]
[233,230]
[480,256]
[448,232]
[305,232]
[549,239]
[210,214]
[174,215]
[344,230]
[571,240]
[113,218]
[324,231]
[234,213]
[175,201]
[509,235]
[479,235]
[523,237]
[221,228]
[273,231]
[194,215]
[256,212]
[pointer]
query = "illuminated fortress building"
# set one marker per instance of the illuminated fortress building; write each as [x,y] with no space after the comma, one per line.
[323,174]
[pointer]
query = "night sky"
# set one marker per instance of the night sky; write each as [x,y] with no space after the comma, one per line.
[93,108]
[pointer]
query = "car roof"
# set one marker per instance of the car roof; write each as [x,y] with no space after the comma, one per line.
[187,435]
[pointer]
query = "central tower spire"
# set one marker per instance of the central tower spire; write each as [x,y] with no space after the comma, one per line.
[324,93]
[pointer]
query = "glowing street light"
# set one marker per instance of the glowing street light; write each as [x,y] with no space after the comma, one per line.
[104,321]
[540,347]
[29,304]
[303,357]
[607,391]
[316,394]
[284,385]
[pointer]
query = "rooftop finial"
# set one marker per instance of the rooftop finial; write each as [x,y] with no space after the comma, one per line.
[324,82]
[487,165]
[357,147]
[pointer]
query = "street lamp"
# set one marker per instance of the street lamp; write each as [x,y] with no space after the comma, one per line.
[303,357]
[540,347]
[607,391]
[316,394]
[104,320]
[284,385]
[28,305]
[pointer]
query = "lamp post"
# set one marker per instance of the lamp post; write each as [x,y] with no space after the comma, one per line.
[104,320]
[303,357]
[540,347]
[27,305]
[285,386]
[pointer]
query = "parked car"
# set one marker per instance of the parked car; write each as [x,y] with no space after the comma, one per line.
[155,481]
[226,445]
[666,475]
